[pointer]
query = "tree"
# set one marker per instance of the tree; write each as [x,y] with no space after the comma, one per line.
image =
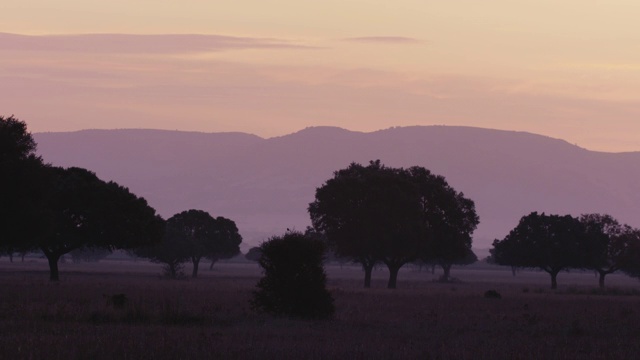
[192,235]
[23,188]
[16,143]
[449,218]
[294,281]
[86,212]
[608,250]
[227,240]
[370,215]
[551,243]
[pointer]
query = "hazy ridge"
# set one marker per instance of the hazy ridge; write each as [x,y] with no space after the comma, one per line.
[265,185]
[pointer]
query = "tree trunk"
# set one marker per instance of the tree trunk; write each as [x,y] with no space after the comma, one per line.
[53,259]
[554,281]
[196,262]
[367,275]
[212,263]
[513,270]
[23,254]
[10,257]
[393,275]
[601,280]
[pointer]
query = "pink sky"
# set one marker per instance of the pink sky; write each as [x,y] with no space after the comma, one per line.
[566,69]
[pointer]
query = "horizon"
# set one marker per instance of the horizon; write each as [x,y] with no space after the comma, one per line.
[335,127]
[272,68]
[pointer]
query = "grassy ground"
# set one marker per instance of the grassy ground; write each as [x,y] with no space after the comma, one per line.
[209,317]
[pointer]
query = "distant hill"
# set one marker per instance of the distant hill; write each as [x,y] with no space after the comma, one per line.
[265,185]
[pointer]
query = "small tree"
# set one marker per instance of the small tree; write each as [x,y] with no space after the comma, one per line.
[294,281]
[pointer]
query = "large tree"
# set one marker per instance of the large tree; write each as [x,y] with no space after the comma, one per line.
[87,212]
[371,214]
[551,243]
[394,216]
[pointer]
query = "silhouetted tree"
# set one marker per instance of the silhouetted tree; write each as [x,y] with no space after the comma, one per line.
[226,240]
[371,214]
[88,212]
[294,281]
[551,243]
[608,250]
[192,235]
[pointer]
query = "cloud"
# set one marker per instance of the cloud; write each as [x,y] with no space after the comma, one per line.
[384,39]
[136,44]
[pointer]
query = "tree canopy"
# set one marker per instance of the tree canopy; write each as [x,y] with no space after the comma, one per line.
[192,235]
[551,243]
[86,212]
[376,214]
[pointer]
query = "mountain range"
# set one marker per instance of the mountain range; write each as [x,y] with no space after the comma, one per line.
[265,185]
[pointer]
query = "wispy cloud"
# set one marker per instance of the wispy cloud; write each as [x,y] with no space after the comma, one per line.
[384,39]
[136,44]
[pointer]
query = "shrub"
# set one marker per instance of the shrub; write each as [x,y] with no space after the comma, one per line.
[294,281]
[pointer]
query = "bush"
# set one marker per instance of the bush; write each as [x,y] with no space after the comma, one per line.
[294,282]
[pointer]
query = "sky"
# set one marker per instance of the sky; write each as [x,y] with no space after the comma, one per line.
[567,69]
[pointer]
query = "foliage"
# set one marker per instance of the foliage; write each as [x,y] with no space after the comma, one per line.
[192,235]
[551,243]
[227,240]
[88,212]
[394,216]
[294,281]
[23,188]
[612,246]
[16,143]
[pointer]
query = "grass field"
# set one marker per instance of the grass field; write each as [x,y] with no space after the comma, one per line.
[210,317]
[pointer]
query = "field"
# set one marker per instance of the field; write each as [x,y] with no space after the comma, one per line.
[210,317]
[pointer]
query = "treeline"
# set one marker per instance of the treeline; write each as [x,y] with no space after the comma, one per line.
[61,210]
[367,214]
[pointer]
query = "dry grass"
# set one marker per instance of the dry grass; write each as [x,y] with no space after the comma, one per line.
[210,317]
